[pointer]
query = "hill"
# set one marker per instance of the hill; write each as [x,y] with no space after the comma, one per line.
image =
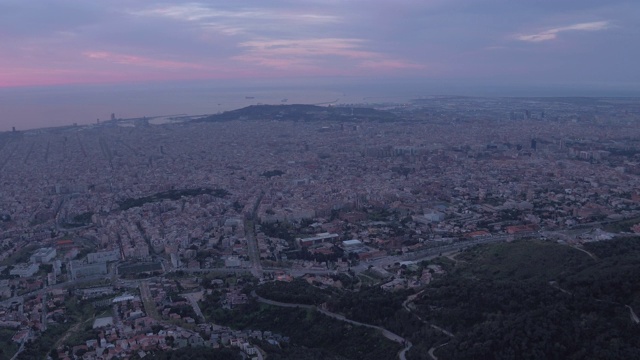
[302,113]
[537,300]
[527,299]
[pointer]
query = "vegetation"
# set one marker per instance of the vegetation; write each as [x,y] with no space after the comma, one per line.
[371,305]
[39,348]
[295,292]
[20,256]
[139,269]
[7,346]
[194,353]
[183,311]
[171,195]
[272,173]
[278,230]
[323,337]
[287,351]
[521,300]
[305,254]
[79,220]
[74,326]
[303,113]
[533,299]
[621,226]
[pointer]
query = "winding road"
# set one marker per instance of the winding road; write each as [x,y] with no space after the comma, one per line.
[386,333]
[405,305]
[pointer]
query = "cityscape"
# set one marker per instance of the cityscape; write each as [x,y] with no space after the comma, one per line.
[129,237]
[319,180]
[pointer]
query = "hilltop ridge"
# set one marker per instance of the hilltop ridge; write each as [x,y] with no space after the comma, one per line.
[302,112]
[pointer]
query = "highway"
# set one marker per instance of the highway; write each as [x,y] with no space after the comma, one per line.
[148,302]
[257,270]
[252,244]
[252,248]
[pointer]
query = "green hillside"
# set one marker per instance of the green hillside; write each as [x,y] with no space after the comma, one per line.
[537,300]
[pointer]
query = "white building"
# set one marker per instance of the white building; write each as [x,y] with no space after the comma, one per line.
[318,239]
[352,244]
[24,270]
[43,255]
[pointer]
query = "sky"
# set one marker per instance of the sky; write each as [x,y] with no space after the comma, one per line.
[452,45]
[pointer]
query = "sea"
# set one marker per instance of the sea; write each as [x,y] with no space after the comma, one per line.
[25,108]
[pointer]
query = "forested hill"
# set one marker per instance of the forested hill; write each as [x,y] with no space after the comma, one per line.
[537,300]
[526,299]
[302,113]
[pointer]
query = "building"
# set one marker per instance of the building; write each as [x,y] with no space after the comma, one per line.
[232,262]
[5,289]
[102,322]
[103,256]
[21,336]
[79,269]
[43,255]
[24,270]
[95,292]
[433,216]
[352,244]
[123,298]
[318,239]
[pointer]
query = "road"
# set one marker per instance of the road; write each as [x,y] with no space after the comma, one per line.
[252,247]
[464,244]
[433,356]
[386,333]
[633,315]
[15,356]
[406,306]
[257,270]
[149,303]
[585,251]
[252,243]
[194,305]
[44,312]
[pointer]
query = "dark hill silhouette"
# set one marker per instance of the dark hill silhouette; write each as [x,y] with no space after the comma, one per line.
[301,112]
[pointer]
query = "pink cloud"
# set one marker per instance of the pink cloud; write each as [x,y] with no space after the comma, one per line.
[318,54]
[348,48]
[141,61]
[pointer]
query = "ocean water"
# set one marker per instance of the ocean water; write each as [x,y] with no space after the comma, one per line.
[30,108]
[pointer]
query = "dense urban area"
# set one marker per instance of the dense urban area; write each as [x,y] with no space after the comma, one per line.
[424,230]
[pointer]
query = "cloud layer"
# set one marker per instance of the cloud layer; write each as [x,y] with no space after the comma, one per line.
[75,41]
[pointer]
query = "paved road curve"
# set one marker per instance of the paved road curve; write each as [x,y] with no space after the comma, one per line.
[386,333]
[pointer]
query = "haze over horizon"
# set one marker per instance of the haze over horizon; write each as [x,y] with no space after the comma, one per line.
[75,61]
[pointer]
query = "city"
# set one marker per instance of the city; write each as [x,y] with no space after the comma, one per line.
[131,228]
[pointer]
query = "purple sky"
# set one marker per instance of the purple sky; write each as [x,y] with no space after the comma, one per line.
[543,44]
[44,42]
